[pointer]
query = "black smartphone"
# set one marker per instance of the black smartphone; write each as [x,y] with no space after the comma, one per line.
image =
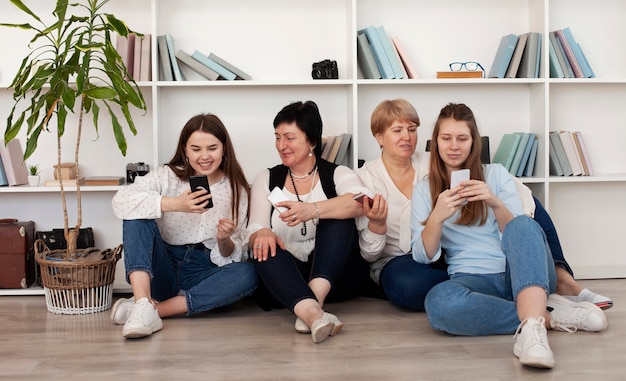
[201,182]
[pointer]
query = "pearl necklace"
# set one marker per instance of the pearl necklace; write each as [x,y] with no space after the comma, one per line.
[303,176]
[314,171]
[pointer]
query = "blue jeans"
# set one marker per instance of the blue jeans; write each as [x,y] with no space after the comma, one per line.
[406,282]
[336,258]
[484,304]
[184,269]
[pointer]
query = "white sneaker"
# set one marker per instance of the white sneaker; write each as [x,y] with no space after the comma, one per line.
[569,316]
[587,295]
[143,321]
[531,344]
[301,326]
[121,310]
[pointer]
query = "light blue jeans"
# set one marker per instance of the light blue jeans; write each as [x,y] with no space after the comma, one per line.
[184,269]
[484,304]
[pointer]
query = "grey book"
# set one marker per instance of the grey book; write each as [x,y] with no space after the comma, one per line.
[238,72]
[196,66]
[164,59]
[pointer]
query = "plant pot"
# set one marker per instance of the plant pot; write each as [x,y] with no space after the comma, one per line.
[33,181]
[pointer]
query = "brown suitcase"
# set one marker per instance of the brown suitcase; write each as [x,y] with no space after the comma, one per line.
[17,256]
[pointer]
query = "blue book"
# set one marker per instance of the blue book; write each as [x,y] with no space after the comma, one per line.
[219,69]
[390,51]
[555,66]
[3,175]
[178,75]
[560,53]
[519,153]
[503,56]
[525,154]
[580,58]
[531,159]
[379,52]
[506,150]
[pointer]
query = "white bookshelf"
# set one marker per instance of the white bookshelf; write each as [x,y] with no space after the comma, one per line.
[276,41]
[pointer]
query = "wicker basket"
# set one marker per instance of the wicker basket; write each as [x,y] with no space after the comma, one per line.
[79,286]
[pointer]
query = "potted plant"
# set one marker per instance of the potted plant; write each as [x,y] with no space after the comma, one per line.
[72,67]
[33,175]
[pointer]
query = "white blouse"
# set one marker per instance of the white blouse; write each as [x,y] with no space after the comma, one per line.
[261,215]
[142,200]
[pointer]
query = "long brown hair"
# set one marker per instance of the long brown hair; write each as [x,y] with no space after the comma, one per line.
[211,124]
[474,212]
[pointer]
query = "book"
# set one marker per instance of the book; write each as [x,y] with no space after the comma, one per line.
[125,47]
[522,153]
[145,67]
[13,162]
[560,54]
[591,72]
[560,153]
[516,58]
[584,152]
[555,66]
[530,166]
[460,74]
[221,70]
[332,155]
[3,175]
[343,149]
[365,58]
[578,54]
[178,75]
[240,74]
[571,153]
[569,53]
[503,56]
[404,58]
[396,65]
[66,182]
[529,65]
[485,152]
[196,66]
[506,150]
[164,59]
[137,57]
[384,66]
[579,153]
[330,140]
[555,165]
[104,180]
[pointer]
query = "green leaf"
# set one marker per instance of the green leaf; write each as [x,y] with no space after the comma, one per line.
[101,93]
[24,8]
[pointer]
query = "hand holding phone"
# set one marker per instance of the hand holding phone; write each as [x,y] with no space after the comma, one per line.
[198,183]
[360,197]
[277,195]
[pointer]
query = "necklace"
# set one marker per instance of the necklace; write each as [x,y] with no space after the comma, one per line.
[303,176]
[314,171]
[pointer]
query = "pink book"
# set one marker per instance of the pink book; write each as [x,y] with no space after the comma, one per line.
[404,57]
[13,161]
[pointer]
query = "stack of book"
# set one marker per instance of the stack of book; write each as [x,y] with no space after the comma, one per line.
[136,52]
[517,56]
[380,56]
[13,169]
[517,152]
[567,59]
[568,154]
[335,148]
[210,67]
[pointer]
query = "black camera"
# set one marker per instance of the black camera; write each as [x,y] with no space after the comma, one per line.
[325,69]
[136,169]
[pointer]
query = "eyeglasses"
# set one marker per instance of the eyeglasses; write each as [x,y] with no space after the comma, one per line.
[469,66]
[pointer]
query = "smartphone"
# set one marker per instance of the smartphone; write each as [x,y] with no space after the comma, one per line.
[201,182]
[457,176]
[277,195]
[359,197]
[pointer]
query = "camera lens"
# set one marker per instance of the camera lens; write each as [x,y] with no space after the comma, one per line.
[316,74]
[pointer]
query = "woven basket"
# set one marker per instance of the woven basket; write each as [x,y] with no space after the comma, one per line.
[79,286]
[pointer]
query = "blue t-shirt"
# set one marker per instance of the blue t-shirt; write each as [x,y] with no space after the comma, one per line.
[469,249]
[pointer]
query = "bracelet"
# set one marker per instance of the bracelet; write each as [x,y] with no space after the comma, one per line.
[316,219]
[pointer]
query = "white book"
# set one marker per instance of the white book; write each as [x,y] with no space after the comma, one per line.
[571,152]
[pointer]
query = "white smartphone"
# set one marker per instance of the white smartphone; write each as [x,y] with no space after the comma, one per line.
[277,195]
[457,176]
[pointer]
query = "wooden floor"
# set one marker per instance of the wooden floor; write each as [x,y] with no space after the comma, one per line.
[242,342]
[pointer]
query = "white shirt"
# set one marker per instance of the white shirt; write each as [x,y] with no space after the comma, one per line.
[261,215]
[142,200]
